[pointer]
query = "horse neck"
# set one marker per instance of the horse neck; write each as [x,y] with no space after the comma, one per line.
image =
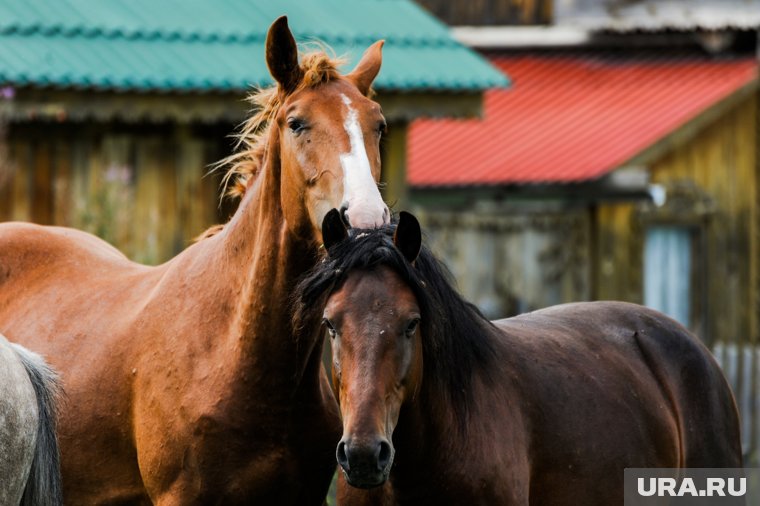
[261,260]
[430,440]
[424,438]
[426,424]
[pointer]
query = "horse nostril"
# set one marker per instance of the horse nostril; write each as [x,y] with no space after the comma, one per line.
[383,455]
[344,214]
[341,456]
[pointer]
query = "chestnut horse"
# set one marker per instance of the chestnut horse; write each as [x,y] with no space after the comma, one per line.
[441,406]
[29,463]
[186,382]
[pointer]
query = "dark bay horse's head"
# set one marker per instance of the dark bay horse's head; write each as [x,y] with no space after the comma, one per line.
[326,131]
[373,320]
[386,301]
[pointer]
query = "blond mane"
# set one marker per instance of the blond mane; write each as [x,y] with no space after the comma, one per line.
[318,67]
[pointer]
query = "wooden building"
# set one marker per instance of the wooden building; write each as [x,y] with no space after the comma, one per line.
[607,174]
[111,117]
[490,12]
[601,150]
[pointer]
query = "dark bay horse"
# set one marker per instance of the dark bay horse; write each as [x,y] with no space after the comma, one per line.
[186,382]
[30,474]
[441,406]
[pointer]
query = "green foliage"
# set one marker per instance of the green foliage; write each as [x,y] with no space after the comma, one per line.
[330,500]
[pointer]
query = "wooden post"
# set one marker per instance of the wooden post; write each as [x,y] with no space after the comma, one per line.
[394,167]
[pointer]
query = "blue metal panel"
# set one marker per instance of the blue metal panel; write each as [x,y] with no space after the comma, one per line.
[667,271]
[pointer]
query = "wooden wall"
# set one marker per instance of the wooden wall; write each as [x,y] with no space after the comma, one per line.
[140,187]
[712,183]
[143,187]
[490,12]
[510,262]
[510,259]
[713,187]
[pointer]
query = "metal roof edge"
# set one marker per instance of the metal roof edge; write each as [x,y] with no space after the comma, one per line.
[689,130]
[208,37]
[598,189]
[506,37]
[60,105]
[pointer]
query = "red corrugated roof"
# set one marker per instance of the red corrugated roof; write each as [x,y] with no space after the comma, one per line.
[569,119]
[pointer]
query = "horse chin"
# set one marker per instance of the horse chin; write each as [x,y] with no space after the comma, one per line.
[366,480]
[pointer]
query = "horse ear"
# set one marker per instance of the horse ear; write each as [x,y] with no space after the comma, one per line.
[333,229]
[368,67]
[408,236]
[282,55]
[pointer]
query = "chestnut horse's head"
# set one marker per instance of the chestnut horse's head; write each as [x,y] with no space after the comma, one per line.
[327,131]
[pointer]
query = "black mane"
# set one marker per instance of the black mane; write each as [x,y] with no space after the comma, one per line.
[455,334]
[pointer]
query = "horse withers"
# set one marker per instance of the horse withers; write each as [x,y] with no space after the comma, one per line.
[187,382]
[441,406]
[29,466]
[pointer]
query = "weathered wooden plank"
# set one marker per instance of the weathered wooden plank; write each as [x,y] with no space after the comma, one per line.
[511,263]
[149,237]
[170,232]
[22,181]
[61,181]
[108,204]
[83,156]
[394,187]
[408,106]
[8,168]
[195,207]
[491,12]
[615,243]
[41,176]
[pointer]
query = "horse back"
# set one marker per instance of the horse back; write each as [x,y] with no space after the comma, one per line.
[638,363]
[24,245]
[54,265]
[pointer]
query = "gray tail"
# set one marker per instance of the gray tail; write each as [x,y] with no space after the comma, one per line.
[43,488]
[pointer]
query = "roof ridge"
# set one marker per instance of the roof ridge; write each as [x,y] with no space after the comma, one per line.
[179,34]
[183,35]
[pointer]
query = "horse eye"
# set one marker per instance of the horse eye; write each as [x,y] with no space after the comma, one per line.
[330,328]
[412,327]
[296,125]
[382,128]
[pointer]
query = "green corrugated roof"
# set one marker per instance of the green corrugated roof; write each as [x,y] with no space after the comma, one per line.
[205,45]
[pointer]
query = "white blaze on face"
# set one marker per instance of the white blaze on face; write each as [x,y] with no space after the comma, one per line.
[366,208]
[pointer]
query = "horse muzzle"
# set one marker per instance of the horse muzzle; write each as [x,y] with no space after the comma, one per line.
[365,464]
